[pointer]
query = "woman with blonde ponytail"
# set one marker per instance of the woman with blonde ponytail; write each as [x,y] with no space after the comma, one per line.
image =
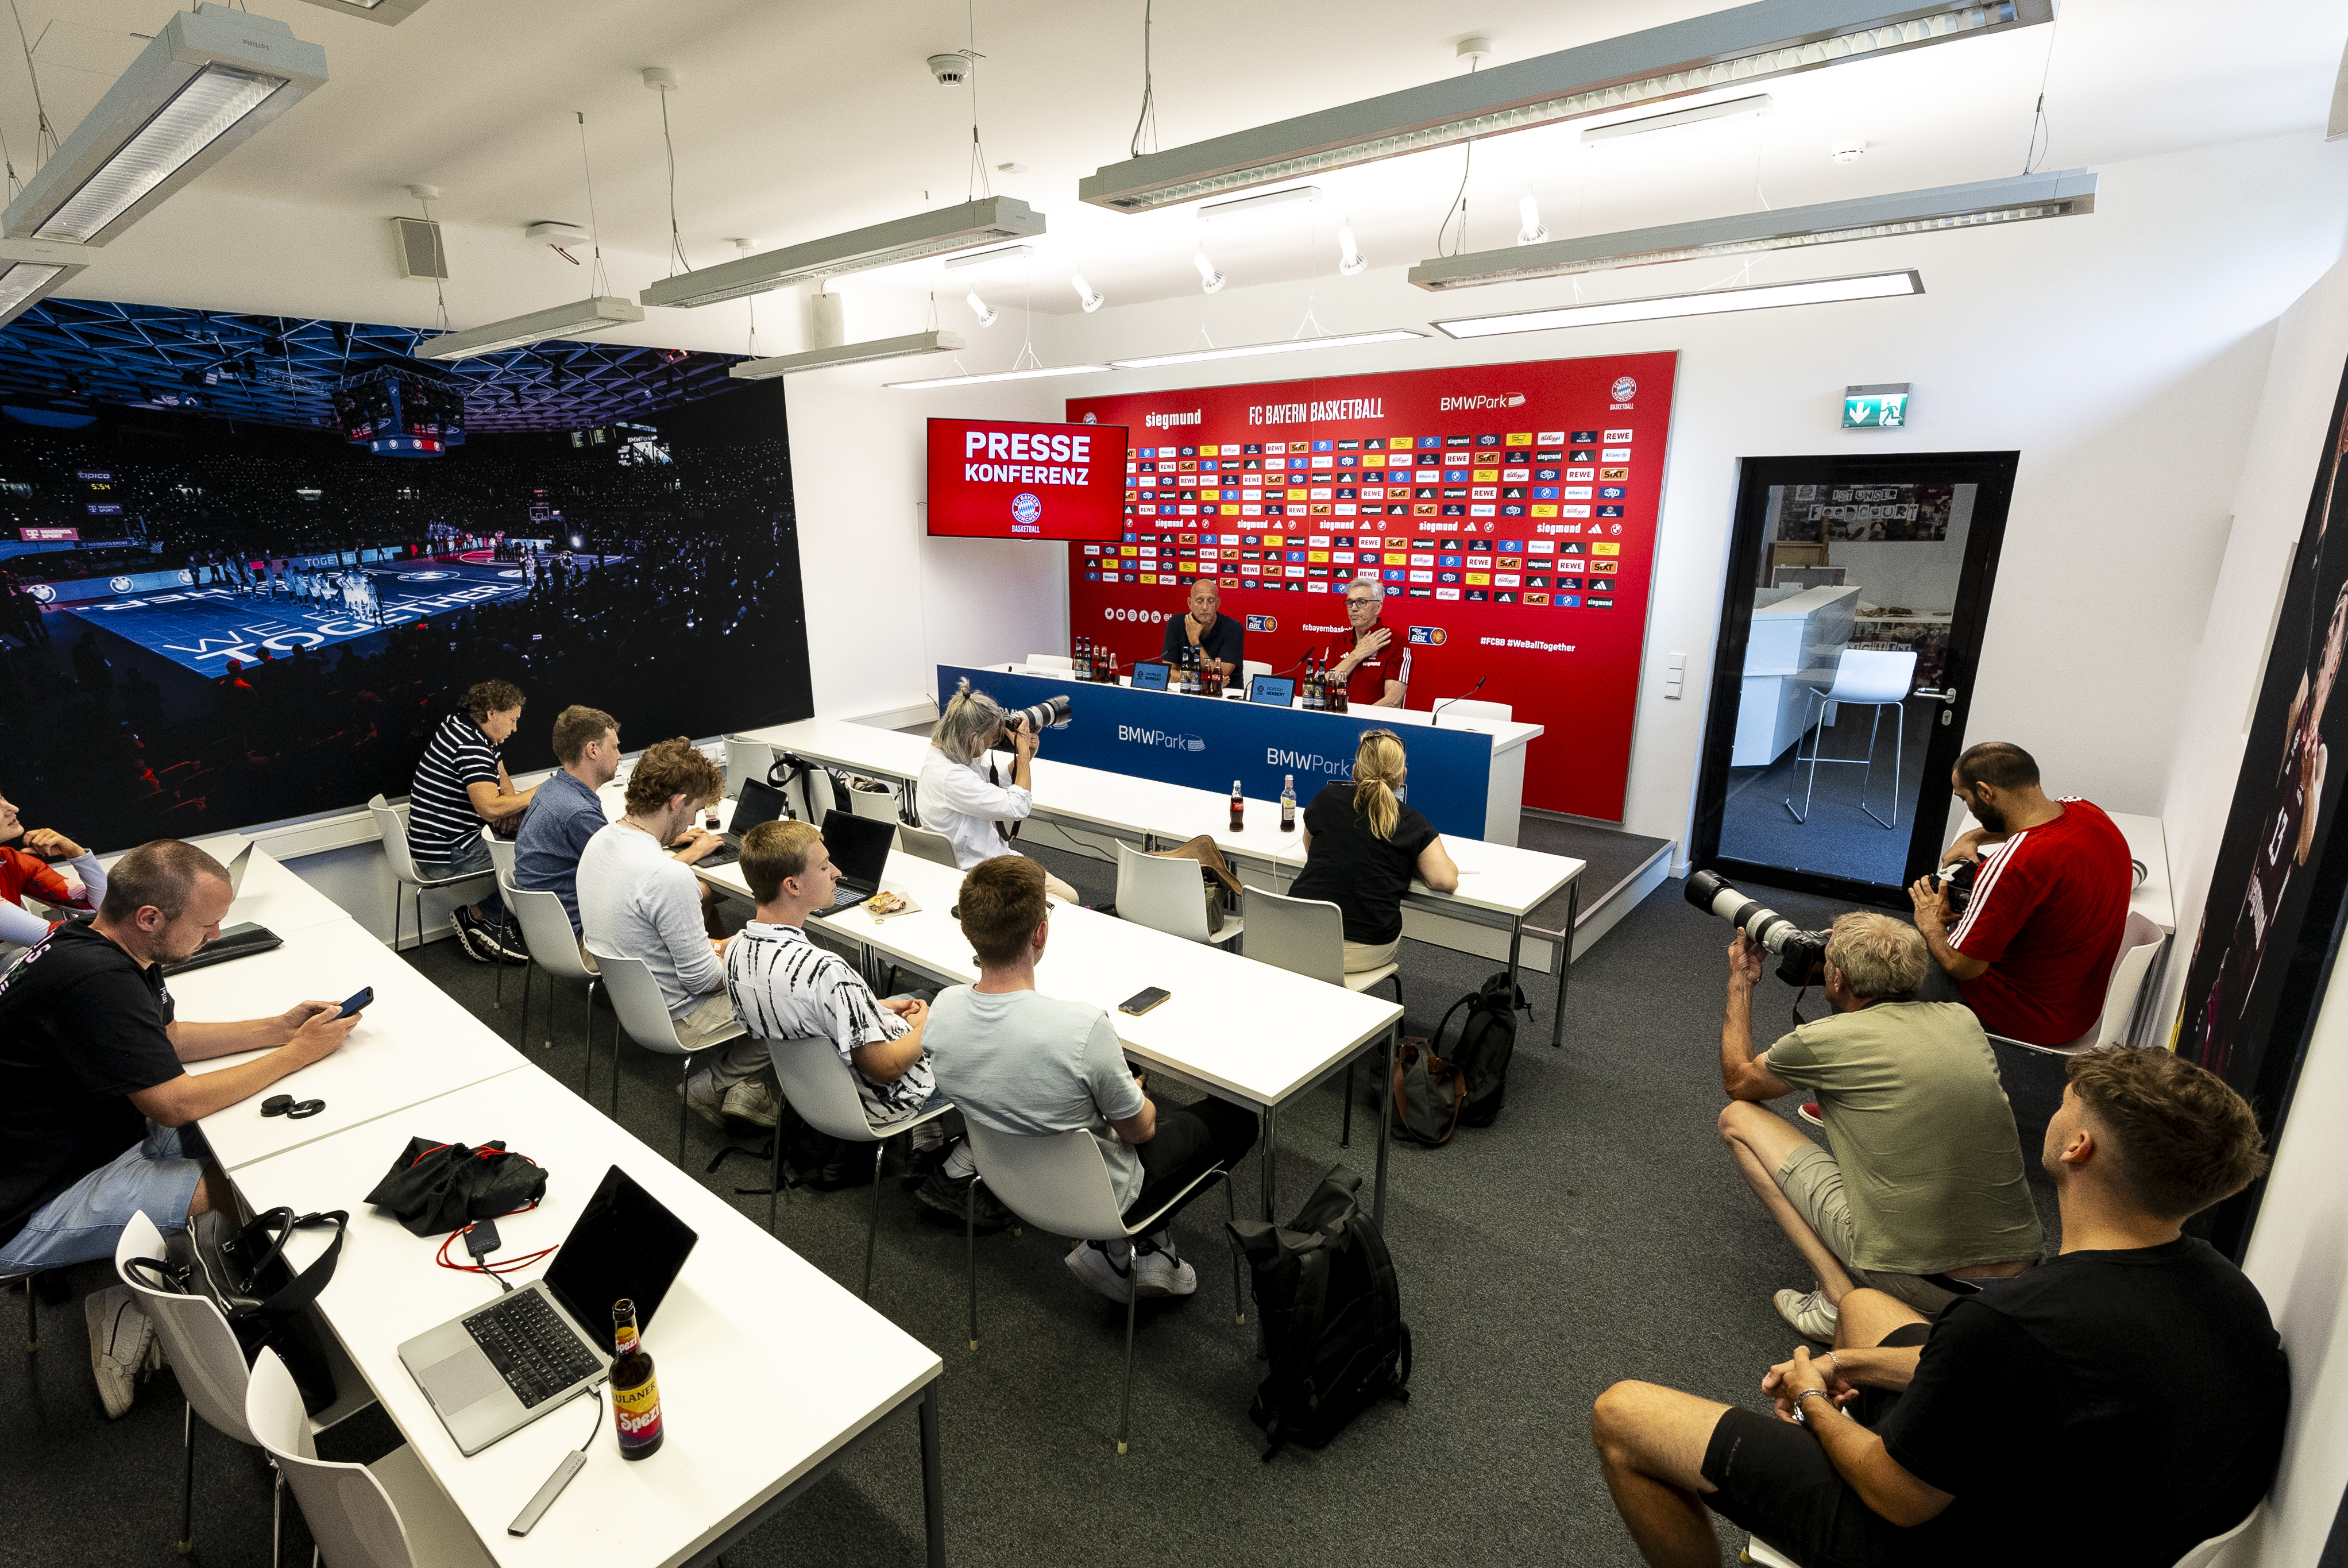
[958,792]
[1363,844]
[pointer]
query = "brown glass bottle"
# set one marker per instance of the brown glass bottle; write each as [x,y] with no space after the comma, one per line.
[635,1392]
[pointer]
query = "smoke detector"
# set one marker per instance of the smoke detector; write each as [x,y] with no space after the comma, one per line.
[951,70]
[1475,47]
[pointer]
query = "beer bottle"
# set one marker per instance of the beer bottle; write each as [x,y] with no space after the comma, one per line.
[635,1391]
[1288,803]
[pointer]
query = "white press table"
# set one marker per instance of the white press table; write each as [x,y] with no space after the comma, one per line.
[768,1371]
[413,1043]
[1500,884]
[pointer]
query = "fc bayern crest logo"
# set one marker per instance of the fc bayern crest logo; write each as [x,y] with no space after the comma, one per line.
[1026,508]
[1625,388]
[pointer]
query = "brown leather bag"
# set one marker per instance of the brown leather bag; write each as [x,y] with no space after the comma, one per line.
[1213,869]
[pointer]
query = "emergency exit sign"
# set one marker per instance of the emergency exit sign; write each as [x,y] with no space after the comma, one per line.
[1883,407]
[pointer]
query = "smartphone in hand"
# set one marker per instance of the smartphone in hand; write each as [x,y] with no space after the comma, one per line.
[361,1000]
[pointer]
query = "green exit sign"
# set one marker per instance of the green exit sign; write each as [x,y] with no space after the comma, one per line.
[1875,408]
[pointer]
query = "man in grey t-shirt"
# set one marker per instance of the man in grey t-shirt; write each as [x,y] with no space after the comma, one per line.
[1923,1197]
[1014,1061]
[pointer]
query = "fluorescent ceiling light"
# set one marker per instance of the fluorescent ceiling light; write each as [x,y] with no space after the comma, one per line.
[1731,49]
[1249,206]
[562,320]
[2019,198]
[205,83]
[1704,302]
[390,13]
[32,270]
[1677,117]
[990,258]
[1248,350]
[1027,375]
[846,353]
[931,234]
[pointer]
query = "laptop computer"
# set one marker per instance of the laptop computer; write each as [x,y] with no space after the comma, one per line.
[761,803]
[497,1368]
[240,941]
[860,847]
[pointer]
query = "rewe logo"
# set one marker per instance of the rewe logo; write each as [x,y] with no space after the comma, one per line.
[1484,400]
[1170,739]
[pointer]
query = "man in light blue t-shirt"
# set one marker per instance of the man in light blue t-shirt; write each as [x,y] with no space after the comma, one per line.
[1014,1061]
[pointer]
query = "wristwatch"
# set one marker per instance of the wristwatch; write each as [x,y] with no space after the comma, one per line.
[1805,1394]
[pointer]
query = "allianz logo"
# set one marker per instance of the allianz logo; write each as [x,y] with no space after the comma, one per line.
[1170,739]
[1310,762]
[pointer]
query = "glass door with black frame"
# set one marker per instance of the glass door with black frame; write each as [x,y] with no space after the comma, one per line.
[1848,634]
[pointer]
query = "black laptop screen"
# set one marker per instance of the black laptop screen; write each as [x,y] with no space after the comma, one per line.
[624,1244]
[860,846]
[759,803]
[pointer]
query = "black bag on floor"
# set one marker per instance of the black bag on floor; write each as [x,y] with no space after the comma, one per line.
[1427,1094]
[244,1272]
[1488,1040]
[1329,1314]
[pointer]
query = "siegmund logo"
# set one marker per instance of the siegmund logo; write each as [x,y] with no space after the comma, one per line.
[1485,400]
[1160,421]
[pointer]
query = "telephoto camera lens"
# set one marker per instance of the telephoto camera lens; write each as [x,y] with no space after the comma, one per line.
[1052,713]
[1801,955]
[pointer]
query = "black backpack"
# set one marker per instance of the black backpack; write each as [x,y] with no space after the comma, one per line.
[1329,1315]
[1488,1040]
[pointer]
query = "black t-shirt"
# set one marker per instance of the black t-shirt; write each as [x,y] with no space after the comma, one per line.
[1355,870]
[81,1028]
[1226,640]
[2112,1408]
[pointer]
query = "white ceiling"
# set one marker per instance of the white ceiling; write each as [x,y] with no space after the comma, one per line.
[794,121]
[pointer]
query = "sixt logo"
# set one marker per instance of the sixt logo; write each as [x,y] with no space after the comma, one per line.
[1165,738]
[1308,762]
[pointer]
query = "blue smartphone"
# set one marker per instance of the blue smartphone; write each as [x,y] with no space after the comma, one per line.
[358,1002]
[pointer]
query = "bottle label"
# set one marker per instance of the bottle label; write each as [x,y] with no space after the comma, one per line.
[638,1413]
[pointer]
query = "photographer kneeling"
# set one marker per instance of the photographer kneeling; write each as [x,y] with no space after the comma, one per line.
[1923,1197]
[959,793]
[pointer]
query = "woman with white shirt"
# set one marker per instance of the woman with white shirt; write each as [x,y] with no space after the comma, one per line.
[958,792]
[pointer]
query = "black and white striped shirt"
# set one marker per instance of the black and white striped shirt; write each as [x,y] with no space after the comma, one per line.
[785,988]
[440,815]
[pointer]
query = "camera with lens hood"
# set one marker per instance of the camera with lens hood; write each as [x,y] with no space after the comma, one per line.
[1801,955]
[1052,713]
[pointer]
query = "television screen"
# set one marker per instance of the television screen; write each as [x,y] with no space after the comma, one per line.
[223,604]
[1014,479]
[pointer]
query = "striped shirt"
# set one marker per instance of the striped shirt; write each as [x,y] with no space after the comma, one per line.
[785,988]
[440,815]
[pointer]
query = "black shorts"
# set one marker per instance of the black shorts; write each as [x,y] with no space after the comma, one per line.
[1774,1480]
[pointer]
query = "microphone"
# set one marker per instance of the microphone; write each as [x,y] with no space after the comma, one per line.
[1435,717]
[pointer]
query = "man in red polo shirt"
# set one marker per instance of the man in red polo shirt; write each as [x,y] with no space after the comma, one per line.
[1377,670]
[2032,952]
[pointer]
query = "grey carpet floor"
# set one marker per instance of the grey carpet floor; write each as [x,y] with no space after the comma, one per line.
[1597,1232]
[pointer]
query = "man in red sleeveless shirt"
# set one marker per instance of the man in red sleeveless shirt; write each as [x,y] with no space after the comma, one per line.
[1377,670]
[2032,952]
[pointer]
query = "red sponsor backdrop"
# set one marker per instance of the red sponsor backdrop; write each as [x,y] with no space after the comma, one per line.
[1014,478]
[1508,511]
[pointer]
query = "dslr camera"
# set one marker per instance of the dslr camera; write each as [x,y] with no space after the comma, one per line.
[1957,883]
[1801,955]
[1052,713]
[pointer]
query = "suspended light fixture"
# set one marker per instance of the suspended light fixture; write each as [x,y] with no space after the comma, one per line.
[1029,373]
[1092,300]
[1528,225]
[846,353]
[1350,259]
[1702,302]
[207,82]
[32,270]
[978,308]
[1208,279]
[986,222]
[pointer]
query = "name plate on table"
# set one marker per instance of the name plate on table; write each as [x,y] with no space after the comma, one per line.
[1202,743]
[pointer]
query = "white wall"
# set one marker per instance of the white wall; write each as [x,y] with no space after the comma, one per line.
[2122,353]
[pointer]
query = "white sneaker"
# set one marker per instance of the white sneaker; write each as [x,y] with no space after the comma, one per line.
[1810,1312]
[120,1337]
[1162,1273]
[1094,1267]
[703,1098]
[753,1101]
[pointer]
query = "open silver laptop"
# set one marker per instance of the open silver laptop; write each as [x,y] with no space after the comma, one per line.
[497,1368]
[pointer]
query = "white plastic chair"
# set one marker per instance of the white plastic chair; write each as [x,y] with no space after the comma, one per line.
[1248,670]
[553,949]
[209,1364]
[1059,1182]
[1464,708]
[822,1088]
[388,1515]
[393,830]
[502,851]
[643,1016]
[878,804]
[1758,1551]
[924,844]
[1307,936]
[1167,893]
[2139,941]
[1877,678]
[745,759]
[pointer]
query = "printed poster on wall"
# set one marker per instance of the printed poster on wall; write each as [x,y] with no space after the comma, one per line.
[1507,513]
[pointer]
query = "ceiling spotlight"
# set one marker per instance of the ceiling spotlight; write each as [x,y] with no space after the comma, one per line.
[978,308]
[1092,301]
[1848,151]
[1208,279]
[1350,259]
[1530,231]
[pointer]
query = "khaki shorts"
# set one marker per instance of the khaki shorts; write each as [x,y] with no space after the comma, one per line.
[1812,1183]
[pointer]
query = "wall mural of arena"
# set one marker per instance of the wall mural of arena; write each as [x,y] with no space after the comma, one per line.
[248,562]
